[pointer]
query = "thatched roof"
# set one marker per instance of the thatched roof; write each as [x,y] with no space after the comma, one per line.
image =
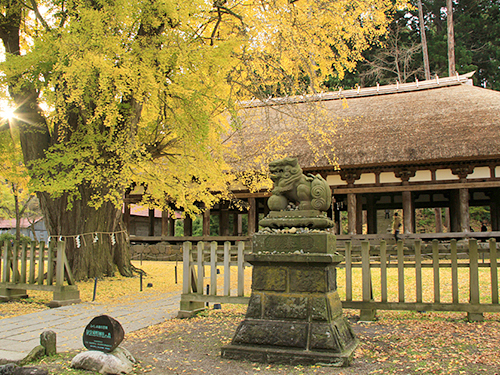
[437,120]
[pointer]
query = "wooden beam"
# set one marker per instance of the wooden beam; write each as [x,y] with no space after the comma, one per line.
[417,187]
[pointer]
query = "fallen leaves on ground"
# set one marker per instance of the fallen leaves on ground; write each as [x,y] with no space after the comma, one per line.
[110,290]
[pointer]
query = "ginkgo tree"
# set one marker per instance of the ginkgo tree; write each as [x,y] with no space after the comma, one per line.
[140,93]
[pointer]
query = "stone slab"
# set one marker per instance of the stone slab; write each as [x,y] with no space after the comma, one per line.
[289,356]
[311,242]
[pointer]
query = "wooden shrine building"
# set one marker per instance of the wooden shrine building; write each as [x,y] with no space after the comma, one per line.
[430,144]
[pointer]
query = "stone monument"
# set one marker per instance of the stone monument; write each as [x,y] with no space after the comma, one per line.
[102,337]
[294,315]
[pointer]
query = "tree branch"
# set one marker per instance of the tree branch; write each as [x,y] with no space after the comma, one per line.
[39,16]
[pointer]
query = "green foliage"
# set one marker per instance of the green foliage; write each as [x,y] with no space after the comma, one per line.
[480,214]
[12,237]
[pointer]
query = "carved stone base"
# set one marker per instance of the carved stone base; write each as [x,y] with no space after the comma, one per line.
[294,315]
[299,218]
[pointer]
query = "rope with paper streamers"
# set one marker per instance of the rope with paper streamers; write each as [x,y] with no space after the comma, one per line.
[95,237]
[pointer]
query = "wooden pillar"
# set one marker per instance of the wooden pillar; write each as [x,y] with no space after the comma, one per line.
[188,226]
[252,213]
[171,224]
[224,219]
[164,223]
[447,218]
[338,223]
[408,212]
[351,213]
[439,220]
[239,224]
[371,213]
[464,209]
[126,216]
[151,215]
[359,214]
[206,222]
[454,211]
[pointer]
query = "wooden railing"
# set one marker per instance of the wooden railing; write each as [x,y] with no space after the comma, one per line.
[433,276]
[466,268]
[36,266]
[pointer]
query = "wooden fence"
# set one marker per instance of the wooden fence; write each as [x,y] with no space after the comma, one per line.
[463,276]
[36,266]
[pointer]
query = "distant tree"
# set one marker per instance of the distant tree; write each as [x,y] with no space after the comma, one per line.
[16,200]
[477,43]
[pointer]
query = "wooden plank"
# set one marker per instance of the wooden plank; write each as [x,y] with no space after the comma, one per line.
[435,266]
[15,263]
[215,299]
[413,306]
[67,270]
[31,277]
[348,271]
[454,271]
[48,288]
[186,279]
[50,262]
[418,271]
[474,272]
[401,272]
[383,270]
[494,270]
[41,260]
[61,248]
[241,269]
[227,269]
[23,263]
[5,262]
[213,268]
[200,246]
[366,271]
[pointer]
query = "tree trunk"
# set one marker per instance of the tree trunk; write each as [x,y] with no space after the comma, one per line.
[96,240]
[451,38]
[423,37]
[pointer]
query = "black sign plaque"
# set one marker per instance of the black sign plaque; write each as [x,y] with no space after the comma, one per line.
[103,333]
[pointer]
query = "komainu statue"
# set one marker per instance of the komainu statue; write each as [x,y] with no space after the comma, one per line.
[292,186]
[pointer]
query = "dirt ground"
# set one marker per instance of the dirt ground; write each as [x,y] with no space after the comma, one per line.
[404,343]
[397,343]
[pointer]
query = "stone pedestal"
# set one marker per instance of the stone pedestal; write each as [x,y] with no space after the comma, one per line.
[294,315]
